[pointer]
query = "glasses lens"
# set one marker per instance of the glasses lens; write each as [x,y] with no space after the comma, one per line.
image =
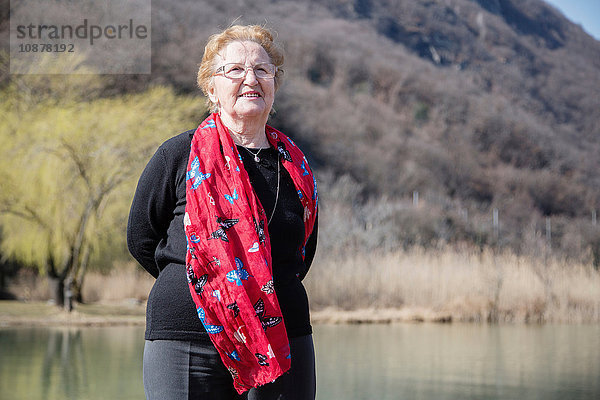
[234,71]
[238,71]
[264,71]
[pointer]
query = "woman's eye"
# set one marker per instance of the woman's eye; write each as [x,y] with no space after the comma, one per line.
[236,68]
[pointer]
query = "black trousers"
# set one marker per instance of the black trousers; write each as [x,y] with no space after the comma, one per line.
[186,370]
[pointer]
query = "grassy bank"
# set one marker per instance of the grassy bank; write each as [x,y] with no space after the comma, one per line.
[19,313]
[402,286]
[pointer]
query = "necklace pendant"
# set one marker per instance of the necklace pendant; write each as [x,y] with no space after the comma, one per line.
[256,159]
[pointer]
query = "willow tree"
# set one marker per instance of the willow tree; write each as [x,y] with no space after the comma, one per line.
[68,172]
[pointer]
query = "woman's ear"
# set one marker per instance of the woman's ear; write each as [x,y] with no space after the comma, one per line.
[212,95]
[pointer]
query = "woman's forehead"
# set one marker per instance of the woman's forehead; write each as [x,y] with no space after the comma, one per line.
[242,52]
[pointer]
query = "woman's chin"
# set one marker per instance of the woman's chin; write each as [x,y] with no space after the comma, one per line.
[252,111]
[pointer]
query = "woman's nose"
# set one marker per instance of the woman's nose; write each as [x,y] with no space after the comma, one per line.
[250,78]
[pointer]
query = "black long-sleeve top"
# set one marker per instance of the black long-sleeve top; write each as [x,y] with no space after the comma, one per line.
[156,239]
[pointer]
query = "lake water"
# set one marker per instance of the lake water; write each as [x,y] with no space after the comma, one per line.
[404,361]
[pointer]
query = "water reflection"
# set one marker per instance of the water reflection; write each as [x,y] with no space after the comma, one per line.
[63,361]
[88,363]
[458,362]
[357,362]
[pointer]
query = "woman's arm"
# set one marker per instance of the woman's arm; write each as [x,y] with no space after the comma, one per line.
[151,211]
[310,248]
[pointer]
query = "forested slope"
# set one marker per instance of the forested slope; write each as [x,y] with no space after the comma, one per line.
[475,105]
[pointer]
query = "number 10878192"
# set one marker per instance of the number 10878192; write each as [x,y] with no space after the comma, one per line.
[46,48]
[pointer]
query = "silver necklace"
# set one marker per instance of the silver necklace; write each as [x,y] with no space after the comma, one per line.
[276,193]
[256,158]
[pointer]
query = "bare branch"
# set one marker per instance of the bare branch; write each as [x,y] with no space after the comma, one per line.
[79,163]
[27,213]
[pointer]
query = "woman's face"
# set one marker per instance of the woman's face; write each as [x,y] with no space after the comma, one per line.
[245,97]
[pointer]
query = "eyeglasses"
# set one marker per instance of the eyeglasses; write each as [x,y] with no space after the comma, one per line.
[238,71]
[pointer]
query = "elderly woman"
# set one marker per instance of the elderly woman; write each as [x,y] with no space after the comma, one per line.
[225,217]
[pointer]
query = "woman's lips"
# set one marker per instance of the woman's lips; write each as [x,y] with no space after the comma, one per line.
[250,95]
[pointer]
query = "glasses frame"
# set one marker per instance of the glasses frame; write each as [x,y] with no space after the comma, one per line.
[221,71]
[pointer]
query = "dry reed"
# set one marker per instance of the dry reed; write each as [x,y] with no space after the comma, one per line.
[421,285]
[454,285]
[124,282]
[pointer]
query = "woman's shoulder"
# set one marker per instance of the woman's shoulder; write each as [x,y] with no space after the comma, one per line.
[176,150]
[177,142]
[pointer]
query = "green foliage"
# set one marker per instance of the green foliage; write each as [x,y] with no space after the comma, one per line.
[421,112]
[69,166]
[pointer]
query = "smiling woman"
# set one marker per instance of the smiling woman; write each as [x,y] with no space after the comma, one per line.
[243,99]
[254,73]
[225,217]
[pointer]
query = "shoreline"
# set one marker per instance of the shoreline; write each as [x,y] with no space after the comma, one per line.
[14,313]
[378,316]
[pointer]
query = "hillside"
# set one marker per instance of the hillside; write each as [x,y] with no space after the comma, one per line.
[475,104]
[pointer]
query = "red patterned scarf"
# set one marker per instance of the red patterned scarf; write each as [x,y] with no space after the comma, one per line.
[229,252]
